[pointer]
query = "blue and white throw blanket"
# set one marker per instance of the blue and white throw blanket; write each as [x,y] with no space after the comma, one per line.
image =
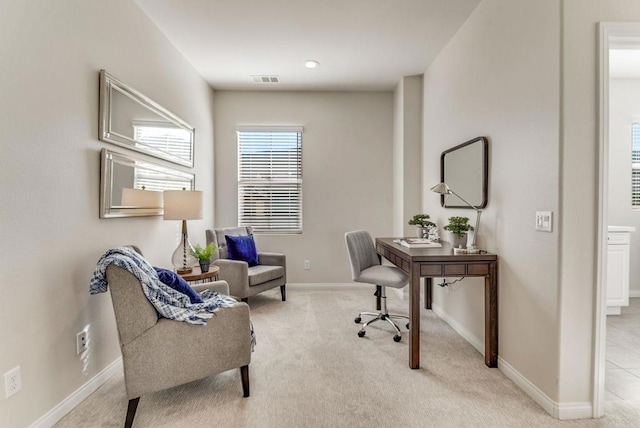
[169,303]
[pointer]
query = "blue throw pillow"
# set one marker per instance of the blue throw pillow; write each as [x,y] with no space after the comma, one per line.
[176,282]
[242,248]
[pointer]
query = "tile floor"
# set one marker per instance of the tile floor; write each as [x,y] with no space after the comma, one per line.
[622,376]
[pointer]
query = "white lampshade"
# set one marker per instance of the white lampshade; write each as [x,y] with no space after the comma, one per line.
[182,204]
[140,198]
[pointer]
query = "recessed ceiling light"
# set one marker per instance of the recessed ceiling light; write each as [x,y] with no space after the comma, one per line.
[311,63]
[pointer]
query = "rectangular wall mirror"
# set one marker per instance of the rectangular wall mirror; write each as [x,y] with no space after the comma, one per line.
[465,169]
[132,187]
[132,120]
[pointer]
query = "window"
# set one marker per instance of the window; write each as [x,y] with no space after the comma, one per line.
[270,179]
[635,166]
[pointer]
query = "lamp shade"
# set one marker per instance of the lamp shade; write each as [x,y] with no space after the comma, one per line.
[441,188]
[182,204]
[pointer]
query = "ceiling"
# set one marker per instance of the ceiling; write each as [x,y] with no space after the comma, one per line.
[360,44]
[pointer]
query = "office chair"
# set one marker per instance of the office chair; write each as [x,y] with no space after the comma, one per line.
[366,267]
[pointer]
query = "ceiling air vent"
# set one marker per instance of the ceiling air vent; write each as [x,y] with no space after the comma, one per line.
[266,79]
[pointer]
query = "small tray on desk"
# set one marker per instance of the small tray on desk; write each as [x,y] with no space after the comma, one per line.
[418,243]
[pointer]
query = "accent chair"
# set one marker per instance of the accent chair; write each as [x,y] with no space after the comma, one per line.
[244,280]
[160,353]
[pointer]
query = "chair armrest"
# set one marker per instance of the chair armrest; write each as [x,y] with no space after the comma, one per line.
[236,274]
[227,264]
[272,259]
[220,286]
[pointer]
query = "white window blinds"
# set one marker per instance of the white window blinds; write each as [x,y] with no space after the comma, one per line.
[270,179]
[164,136]
[635,166]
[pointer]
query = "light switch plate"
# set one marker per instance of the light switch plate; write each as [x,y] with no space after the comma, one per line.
[544,221]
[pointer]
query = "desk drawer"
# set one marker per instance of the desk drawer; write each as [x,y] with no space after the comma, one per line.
[431,270]
[478,269]
[457,269]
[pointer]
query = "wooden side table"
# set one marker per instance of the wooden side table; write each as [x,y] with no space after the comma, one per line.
[198,277]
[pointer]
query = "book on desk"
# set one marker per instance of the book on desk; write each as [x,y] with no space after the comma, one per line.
[418,243]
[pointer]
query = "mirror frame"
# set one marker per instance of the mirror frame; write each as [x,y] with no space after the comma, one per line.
[107,209]
[485,171]
[108,84]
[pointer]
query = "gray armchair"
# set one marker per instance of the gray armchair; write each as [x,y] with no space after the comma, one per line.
[163,353]
[245,281]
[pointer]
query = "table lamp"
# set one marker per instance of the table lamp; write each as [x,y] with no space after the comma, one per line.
[443,189]
[183,205]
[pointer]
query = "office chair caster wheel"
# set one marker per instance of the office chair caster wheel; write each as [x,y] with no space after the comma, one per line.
[407,326]
[357,320]
[361,333]
[397,338]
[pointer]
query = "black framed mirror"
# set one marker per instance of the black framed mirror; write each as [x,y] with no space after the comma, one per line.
[465,169]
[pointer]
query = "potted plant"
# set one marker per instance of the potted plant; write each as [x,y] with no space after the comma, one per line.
[422,222]
[204,255]
[458,226]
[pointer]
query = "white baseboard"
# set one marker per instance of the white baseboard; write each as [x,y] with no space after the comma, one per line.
[634,293]
[50,418]
[557,410]
[563,411]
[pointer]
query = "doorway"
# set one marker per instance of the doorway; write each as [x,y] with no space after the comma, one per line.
[617,351]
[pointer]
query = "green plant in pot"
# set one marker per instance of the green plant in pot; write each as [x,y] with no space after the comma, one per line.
[458,226]
[204,255]
[422,222]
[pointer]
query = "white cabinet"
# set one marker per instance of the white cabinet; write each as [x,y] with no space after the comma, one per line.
[619,240]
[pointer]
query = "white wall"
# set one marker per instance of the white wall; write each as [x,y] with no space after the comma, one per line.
[51,53]
[499,77]
[346,165]
[624,102]
[579,182]
[407,146]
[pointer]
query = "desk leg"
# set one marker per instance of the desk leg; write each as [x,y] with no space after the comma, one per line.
[414,317]
[491,316]
[428,289]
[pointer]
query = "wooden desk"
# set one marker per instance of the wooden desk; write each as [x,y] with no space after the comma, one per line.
[196,276]
[441,262]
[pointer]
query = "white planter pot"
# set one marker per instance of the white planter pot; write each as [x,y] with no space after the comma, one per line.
[457,242]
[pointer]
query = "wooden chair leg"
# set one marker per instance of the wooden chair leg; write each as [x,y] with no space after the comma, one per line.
[244,374]
[283,292]
[131,412]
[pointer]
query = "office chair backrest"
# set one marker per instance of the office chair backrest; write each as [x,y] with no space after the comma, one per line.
[361,251]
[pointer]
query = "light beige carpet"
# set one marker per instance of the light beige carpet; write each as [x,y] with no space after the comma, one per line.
[310,369]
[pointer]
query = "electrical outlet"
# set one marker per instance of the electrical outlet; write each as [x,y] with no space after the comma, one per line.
[307,265]
[12,381]
[82,341]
